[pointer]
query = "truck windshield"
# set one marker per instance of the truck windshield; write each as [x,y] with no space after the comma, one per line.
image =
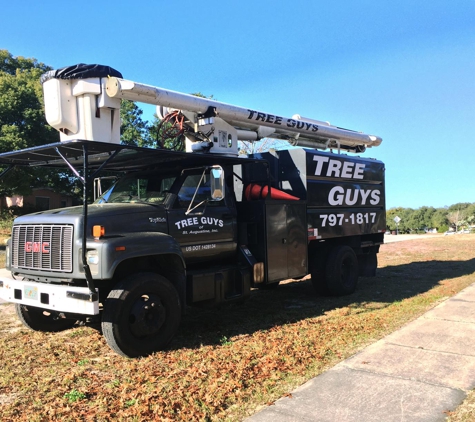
[138,187]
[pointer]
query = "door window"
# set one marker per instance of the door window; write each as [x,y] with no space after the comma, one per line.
[201,195]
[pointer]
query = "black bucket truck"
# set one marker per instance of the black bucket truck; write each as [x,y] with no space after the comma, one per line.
[198,227]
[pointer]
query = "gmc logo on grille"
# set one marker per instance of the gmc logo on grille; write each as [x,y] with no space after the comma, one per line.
[42,247]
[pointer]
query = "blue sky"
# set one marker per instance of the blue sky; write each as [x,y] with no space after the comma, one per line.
[403,70]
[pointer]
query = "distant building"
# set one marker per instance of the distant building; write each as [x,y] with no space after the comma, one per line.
[40,199]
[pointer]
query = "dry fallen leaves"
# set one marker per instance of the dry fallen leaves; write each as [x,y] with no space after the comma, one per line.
[225,363]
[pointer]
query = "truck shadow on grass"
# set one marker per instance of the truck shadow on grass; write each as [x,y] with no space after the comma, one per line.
[295,301]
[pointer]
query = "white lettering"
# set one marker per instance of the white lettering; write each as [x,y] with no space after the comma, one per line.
[200,247]
[359,170]
[212,221]
[187,222]
[347,171]
[335,197]
[334,166]
[194,221]
[375,197]
[340,196]
[364,196]
[353,201]
[320,160]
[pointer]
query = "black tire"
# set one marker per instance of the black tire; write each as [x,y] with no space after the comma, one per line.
[341,271]
[38,319]
[318,272]
[141,315]
[367,264]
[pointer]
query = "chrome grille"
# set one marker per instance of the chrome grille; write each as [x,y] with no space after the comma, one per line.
[43,247]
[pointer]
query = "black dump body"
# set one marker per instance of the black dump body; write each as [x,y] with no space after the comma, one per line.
[344,195]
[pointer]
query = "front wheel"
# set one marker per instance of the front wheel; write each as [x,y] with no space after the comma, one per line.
[141,315]
[38,319]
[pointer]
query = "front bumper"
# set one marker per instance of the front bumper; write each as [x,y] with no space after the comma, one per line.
[59,298]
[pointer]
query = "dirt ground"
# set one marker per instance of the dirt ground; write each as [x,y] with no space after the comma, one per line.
[226,364]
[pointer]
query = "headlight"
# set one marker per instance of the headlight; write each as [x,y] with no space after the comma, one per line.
[92,257]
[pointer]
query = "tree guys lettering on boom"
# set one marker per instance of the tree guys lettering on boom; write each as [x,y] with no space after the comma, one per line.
[277,120]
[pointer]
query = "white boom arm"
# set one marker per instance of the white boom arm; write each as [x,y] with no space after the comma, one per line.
[85,105]
[253,124]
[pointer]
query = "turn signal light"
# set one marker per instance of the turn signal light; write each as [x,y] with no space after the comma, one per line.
[98,231]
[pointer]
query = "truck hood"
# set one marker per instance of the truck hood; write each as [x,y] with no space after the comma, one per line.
[116,218]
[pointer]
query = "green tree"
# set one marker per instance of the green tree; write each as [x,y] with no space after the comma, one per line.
[170,132]
[439,219]
[471,221]
[460,215]
[22,121]
[23,125]
[421,219]
[406,224]
[201,95]
[403,214]
[263,145]
[390,216]
[470,214]
[456,218]
[134,130]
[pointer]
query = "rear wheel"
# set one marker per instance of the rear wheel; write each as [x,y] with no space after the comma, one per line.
[141,315]
[341,271]
[39,319]
[317,272]
[367,264]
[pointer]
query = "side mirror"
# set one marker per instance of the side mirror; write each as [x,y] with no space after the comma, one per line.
[217,183]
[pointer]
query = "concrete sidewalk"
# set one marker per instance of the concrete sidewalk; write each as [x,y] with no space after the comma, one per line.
[417,373]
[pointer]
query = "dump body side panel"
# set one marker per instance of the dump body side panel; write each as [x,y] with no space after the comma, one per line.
[344,194]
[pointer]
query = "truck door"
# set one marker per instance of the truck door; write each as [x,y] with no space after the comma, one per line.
[205,229]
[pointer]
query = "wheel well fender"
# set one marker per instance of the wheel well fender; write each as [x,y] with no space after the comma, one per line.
[169,265]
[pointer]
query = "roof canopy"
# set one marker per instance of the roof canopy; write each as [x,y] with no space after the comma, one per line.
[111,156]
